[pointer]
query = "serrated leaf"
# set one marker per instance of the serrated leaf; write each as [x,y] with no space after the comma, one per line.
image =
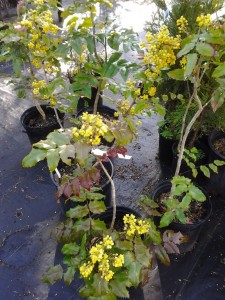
[33,157]
[186,49]
[180,215]
[59,138]
[205,49]
[119,285]
[197,194]
[53,274]
[205,171]
[217,99]
[70,249]
[219,71]
[177,74]
[191,63]
[134,268]
[97,207]
[161,254]
[214,168]
[95,196]
[141,252]
[166,219]
[219,163]
[69,275]
[66,152]
[78,212]
[179,189]
[124,245]
[185,203]
[52,159]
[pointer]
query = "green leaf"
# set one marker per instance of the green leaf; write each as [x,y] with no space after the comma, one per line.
[95,196]
[219,163]
[134,268]
[214,168]
[124,245]
[205,49]
[186,49]
[78,212]
[53,274]
[119,285]
[114,57]
[217,99]
[52,159]
[197,194]
[109,70]
[69,275]
[219,71]
[90,44]
[113,41]
[65,152]
[179,189]
[97,207]
[33,157]
[59,138]
[180,216]
[205,171]
[191,63]
[139,107]
[70,249]
[177,74]
[45,144]
[185,203]
[162,255]
[167,218]
[141,252]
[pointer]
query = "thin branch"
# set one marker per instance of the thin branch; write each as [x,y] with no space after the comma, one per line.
[113,194]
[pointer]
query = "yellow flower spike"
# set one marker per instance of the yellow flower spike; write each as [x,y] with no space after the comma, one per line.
[108,242]
[109,275]
[86,269]
[96,253]
[152,91]
[118,261]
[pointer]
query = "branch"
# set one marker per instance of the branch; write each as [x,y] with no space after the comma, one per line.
[113,193]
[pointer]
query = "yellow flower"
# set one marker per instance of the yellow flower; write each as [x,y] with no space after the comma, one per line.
[152,91]
[118,260]
[96,253]
[204,20]
[182,24]
[86,269]
[108,242]
[109,275]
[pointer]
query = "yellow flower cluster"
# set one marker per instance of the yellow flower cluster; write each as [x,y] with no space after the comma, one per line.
[183,62]
[152,91]
[37,85]
[160,52]
[92,129]
[105,261]
[182,24]
[204,20]
[133,226]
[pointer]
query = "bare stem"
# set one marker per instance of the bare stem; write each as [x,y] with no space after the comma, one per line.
[97,97]
[113,193]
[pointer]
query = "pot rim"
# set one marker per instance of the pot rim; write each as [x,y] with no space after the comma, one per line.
[215,135]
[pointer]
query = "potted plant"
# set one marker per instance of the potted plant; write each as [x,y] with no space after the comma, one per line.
[30,43]
[203,52]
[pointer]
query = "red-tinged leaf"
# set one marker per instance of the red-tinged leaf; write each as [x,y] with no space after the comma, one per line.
[59,192]
[122,150]
[161,254]
[94,174]
[75,184]
[68,190]
[112,153]
[85,181]
[171,248]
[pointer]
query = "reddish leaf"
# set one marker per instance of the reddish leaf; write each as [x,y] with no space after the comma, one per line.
[75,187]
[112,153]
[122,150]
[68,190]
[94,174]
[85,181]
[59,192]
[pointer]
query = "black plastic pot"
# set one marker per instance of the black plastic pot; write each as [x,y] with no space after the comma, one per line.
[84,102]
[165,149]
[35,134]
[185,170]
[191,230]
[216,182]
[106,188]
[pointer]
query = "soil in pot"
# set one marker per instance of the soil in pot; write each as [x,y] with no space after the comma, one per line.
[104,184]
[216,182]
[36,128]
[197,216]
